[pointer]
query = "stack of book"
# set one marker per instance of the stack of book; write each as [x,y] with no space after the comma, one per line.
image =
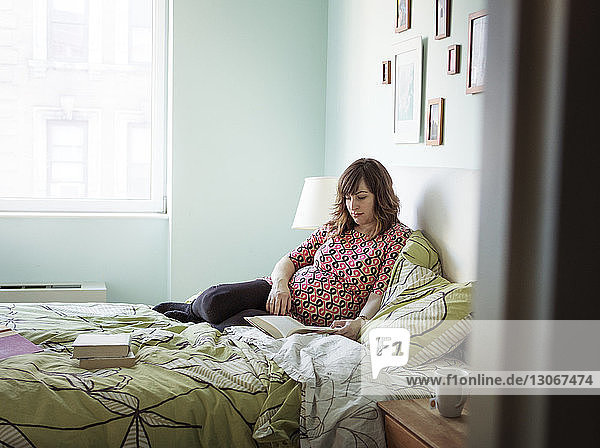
[99,351]
[12,343]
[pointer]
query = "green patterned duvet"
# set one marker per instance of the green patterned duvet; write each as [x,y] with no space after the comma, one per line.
[190,386]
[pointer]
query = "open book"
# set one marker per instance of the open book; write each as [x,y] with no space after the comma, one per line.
[284,326]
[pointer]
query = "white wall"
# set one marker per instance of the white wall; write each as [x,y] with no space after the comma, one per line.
[248,126]
[441,194]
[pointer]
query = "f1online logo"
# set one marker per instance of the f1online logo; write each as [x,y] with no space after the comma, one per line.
[389,347]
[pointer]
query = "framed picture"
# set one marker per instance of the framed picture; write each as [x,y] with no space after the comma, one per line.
[435,121]
[408,60]
[442,18]
[386,76]
[453,64]
[402,15]
[476,52]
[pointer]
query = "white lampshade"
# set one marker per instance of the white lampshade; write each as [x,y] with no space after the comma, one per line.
[316,202]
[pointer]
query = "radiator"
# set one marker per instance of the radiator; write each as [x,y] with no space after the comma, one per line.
[53,292]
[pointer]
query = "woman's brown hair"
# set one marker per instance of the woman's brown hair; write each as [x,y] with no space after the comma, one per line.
[379,182]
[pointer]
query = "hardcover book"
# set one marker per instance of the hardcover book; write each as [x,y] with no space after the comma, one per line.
[103,345]
[107,362]
[284,326]
[12,343]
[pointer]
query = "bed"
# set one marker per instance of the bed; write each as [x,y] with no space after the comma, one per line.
[195,386]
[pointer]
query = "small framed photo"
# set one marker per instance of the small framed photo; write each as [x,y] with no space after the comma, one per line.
[402,15]
[453,64]
[386,76]
[476,52]
[435,121]
[442,18]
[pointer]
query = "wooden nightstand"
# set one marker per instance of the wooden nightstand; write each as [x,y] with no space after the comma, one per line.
[413,424]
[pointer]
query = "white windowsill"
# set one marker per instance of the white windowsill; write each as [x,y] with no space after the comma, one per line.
[82,215]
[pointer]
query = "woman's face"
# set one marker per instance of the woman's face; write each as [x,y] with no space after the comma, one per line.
[361,206]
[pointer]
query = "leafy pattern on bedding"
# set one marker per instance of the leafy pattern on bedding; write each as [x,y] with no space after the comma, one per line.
[190,386]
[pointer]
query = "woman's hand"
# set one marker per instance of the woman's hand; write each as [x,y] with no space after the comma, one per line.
[348,327]
[280,300]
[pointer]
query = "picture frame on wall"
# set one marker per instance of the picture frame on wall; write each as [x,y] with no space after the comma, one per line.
[386,76]
[408,67]
[476,51]
[453,61]
[435,121]
[442,19]
[402,15]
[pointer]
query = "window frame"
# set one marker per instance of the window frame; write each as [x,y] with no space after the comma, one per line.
[158,122]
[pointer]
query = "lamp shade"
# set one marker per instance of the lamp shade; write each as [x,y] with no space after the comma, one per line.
[316,202]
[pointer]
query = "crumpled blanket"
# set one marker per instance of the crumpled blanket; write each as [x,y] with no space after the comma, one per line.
[339,394]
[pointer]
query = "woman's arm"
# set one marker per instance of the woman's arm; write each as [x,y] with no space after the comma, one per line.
[351,327]
[280,300]
[372,306]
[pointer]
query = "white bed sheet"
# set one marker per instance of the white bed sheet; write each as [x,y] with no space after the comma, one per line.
[339,395]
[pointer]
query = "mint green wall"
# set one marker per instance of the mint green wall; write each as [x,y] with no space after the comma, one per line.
[266,92]
[248,126]
[360,108]
[128,253]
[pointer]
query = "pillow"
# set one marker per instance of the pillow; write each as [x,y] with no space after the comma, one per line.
[418,251]
[409,279]
[436,311]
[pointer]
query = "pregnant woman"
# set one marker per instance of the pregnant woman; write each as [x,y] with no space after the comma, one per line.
[336,277]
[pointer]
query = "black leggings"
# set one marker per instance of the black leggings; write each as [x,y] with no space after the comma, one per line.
[227,304]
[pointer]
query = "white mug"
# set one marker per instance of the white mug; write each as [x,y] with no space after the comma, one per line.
[451,396]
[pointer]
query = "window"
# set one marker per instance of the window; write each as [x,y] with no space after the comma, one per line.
[83,111]
[139,160]
[67,175]
[68,30]
[140,32]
